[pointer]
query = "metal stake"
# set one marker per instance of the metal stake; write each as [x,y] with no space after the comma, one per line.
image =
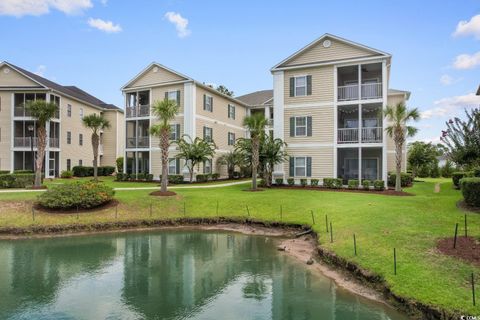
[354,244]
[473,290]
[455,237]
[326,222]
[331,232]
[313,217]
[394,261]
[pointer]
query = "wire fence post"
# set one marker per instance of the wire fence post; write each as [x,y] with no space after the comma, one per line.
[281,212]
[184,208]
[33,213]
[151,209]
[248,211]
[394,261]
[217,208]
[455,237]
[354,244]
[473,290]
[326,222]
[465,225]
[77,213]
[313,217]
[331,232]
[116,211]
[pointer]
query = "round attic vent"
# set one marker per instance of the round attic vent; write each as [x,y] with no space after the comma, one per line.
[327,43]
[6,70]
[155,69]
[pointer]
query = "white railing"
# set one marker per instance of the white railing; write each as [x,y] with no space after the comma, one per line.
[270,122]
[137,111]
[24,142]
[349,92]
[21,112]
[100,149]
[372,90]
[54,143]
[139,142]
[347,135]
[372,135]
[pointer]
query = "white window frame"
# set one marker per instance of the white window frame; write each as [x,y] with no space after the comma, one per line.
[208,103]
[209,171]
[69,137]
[231,111]
[305,126]
[174,160]
[210,135]
[173,130]
[299,167]
[69,164]
[174,92]
[69,110]
[81,113]
[231,138]
[80,139]
[295,86]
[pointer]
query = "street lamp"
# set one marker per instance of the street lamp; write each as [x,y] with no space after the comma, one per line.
[30,129]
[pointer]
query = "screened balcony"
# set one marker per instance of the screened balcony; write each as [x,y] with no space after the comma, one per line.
[354,163]
[359,82]
[351,130]
[137,134]
[137,104]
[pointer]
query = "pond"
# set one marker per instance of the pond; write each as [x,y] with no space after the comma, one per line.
[168,275]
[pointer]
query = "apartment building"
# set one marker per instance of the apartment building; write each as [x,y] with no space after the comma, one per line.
[69,142]
[203,112]
[327,106]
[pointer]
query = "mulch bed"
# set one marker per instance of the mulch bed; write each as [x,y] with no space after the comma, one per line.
[37,188]
[163,194]
[387,192]
[111,204]
[465,207]
[467,249]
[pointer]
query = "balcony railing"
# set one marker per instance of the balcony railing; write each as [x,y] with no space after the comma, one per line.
[369,135]
[54,143]
[137,111]
[369,91]
[21,112]
[270,122]
[139,142]
[24,142]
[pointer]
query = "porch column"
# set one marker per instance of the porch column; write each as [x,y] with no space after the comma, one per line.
[384,122]
[278,122]
[360,165]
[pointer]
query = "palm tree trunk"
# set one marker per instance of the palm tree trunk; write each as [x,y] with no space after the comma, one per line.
[164,144]
[398,158]
[41,146]
[255,155]
[95,143]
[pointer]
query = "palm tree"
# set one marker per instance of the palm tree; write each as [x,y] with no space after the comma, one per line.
[95,123]
[165,111]
[256,124]
[398,129]
[42,111]
[272,152]
[231,159]
[195,152]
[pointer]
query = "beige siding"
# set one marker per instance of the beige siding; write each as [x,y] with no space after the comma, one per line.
[158,94]
[220,133]
[113,138]
[393,100]
[322,124]
[155,141]
[150,77]
[392,162]
[322,161]
[322,85]
[5,129]
[337,51]
[15,79]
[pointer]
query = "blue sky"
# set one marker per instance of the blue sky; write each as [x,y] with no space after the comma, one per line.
[98,45]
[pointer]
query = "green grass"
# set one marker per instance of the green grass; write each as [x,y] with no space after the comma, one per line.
[410,224]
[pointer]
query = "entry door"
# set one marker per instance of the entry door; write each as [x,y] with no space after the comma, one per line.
[351,168]
[370,169]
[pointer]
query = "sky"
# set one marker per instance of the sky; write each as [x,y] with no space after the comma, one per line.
[99,45]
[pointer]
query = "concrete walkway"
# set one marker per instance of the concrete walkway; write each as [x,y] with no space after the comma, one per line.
[144,188]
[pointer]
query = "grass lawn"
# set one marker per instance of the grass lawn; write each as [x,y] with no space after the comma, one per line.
[380,223]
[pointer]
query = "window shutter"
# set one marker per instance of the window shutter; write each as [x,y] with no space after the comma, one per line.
[211,104]
[309,166]
[178,132]
[211,135]
[204,171]
[177,165]
[292,87]
[233,112]
[292,126]
[166,95]
[204,130]
[204,105]
[309,85]
[291,171]
[178,98]
[309,126]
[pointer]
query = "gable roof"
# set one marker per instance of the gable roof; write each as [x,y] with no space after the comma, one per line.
[257,98]
[71,91]
[393,92]
[154,64]
[331,36]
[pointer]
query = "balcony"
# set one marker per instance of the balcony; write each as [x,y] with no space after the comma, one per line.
[21,112]
[138,142]
[368,91]
[369,135]
[54,142]
[24,142]
[359,82]
[137,111]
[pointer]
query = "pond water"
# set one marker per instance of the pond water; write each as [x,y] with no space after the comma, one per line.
[168,275]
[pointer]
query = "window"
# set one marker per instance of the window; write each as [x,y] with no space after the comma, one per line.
[207,166]
[173,95]
[172,166]
[80,139]
[80,163]
[207,103]
[81,113]
[207,134]
[69,110]
[300,126]
[300,166]
[231,138]
[69,164]
[300,86]
[69,137]
[231,111]
[174,131]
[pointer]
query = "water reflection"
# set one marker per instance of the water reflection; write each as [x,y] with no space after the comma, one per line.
[167,275]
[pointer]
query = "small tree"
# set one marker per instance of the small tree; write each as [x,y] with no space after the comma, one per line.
[194,152]
[95,123]
[165,111]
[119,163]
[255,124]
[272,152]
[42,112]
[447,170]
[223,89]
[231,159]
[398,129]
[420,155]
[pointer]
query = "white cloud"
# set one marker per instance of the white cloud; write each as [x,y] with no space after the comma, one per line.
[450,106]
[19,8]
[181,24]
[466,28]
[447,80]
[105,26]
[104,2]
[40,70]
[467,61]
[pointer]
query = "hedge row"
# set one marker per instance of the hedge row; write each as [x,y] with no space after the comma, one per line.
[336,183]
[471,191]
[16,180]
[405,178]
[206,177]
[81,171]
[133,177]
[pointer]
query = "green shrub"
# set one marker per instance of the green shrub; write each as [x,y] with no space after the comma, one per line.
[447,170]
[66,174]
[406,179]
[140,176]
[471,191]
[366,184]
[457,176]
[236,174]
[215,176]
[119,176]
[291,181]
[353,184]
[435,170]
[314,182]
[332,183]
[81,171]
[149,177]
[303,182]
[22,171]
[476,172]
[379,185]
[279,181]
[4,171]
[175,179]
[16,180]
[108,170]
[80,194]
[119,163]
[201,177]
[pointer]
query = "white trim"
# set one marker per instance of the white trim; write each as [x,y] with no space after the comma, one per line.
[23,74]
[295,166]
[155,85]
[384,123]
[295,85]
[189,109]
[364,101]
[309,105]
[309,145]
[148,68]
[358,145]
[198,116]
[12,133]
[335,121]
[278,115]
[295,127]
